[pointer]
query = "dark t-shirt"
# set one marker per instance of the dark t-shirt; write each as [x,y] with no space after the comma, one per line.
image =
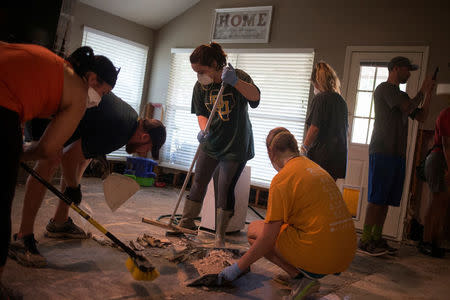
[390,130]
[107,127]
[329,113]
[230,134]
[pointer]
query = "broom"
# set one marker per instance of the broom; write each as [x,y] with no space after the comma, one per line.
[139,267]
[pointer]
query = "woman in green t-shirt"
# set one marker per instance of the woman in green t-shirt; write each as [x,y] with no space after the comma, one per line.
[228,145]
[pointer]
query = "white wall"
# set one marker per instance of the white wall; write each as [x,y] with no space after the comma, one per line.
[86,15]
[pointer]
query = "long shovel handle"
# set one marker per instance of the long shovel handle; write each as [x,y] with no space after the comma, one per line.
[188,175]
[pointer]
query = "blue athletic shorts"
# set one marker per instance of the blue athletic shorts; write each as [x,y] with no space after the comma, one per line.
[386,177]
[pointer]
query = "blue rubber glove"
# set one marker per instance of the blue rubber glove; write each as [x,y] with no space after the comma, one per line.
[229,75]
[202,136]
[229,273]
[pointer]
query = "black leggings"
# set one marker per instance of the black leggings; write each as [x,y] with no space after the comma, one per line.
[226,174]
[10,150]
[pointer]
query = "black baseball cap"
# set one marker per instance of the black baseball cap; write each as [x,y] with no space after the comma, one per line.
[400,61]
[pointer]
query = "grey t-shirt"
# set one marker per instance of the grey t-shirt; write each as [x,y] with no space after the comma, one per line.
[390,131]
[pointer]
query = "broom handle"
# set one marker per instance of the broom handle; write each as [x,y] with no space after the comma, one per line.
[188,175]
[78,210]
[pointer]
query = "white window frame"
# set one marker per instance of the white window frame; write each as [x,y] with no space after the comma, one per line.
[253,113]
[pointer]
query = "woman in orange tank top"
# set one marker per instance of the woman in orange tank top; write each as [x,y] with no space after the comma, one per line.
[34,82]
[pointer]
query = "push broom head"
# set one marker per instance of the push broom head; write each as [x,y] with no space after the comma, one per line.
[141,269]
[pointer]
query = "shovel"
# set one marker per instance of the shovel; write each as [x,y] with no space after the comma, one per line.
[212,280]
[118,189]
[209,280]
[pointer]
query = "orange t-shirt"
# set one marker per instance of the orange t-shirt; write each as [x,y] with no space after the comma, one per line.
[318,234]
[31,80]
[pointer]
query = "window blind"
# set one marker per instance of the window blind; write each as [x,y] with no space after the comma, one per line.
[281,75]
[130,57]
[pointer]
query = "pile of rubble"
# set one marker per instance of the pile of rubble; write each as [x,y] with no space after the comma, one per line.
[214,262]
[147,241]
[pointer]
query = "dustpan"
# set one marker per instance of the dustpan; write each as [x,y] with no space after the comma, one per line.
[117,189]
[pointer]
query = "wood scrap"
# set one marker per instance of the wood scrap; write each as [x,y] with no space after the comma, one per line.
[178,257]
[105,242]
[165,241]
[150,241]
[135,246]
[153,242]
[180,246]
[142,242]
[190,253]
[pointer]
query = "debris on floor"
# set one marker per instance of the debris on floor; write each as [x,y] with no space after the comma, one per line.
[136,246]
[154,242]
[208,280]
[140,241]
[188,254]
[105,241]
[214,262]
[149,241]
[180,246]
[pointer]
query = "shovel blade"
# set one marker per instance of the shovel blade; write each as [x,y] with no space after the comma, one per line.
[118,189]
[209,280]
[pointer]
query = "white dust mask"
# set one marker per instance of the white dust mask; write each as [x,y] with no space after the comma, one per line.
[93,98]
[204,79]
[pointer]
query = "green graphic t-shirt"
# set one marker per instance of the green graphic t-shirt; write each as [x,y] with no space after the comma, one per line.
[230,135]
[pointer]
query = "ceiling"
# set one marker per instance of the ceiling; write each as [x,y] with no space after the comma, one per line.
[150,13]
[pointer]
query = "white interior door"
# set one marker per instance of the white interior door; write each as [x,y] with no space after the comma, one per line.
[365,70]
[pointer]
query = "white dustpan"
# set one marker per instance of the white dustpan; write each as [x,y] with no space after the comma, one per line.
[118,189]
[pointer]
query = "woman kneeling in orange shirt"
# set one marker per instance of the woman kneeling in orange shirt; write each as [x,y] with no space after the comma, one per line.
[308,231]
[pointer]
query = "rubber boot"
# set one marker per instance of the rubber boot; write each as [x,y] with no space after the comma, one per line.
[223,218]
[191,211]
